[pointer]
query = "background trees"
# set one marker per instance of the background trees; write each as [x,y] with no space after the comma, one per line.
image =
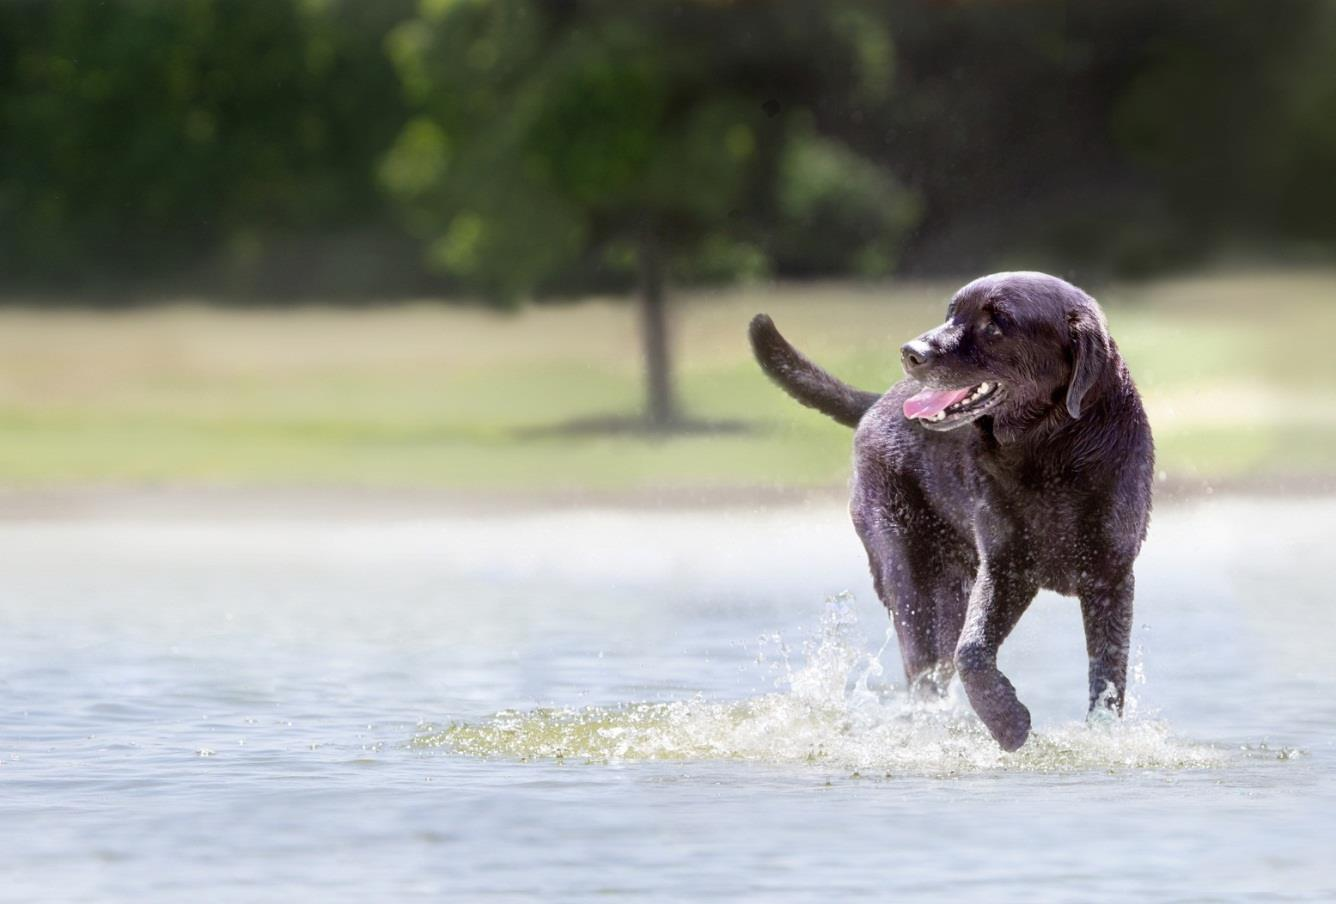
[507,150]
[154,140]
[604,142]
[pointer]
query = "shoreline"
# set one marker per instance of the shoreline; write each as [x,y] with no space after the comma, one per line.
[230,502]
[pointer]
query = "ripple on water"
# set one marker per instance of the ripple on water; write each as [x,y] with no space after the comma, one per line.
[826,713]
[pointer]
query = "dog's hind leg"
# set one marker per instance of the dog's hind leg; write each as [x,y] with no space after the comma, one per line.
[925,596]
[953,599]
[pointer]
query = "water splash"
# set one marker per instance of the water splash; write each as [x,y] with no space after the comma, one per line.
[830,712]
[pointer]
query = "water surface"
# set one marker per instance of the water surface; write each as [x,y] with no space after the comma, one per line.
[648,705]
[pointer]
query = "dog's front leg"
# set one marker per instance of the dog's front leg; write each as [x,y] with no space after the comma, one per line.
[1002,592]
[1106,610]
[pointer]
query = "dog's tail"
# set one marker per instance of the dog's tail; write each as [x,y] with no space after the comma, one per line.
[804,381]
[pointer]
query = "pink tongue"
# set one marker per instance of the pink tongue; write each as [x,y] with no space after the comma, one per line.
[931,401]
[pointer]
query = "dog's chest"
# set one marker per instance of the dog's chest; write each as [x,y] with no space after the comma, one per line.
[1060,542]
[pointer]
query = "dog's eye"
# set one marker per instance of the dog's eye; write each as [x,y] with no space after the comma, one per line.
[992,330]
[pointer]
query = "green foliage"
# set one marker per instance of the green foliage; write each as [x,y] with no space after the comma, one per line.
[575,132]
[521,146]
[146,134]
[719,258]
[839,212]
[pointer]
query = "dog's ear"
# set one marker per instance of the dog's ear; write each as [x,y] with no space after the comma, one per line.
[1090,354]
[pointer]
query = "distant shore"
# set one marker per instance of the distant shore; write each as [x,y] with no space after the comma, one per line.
[426,407]
[237,502]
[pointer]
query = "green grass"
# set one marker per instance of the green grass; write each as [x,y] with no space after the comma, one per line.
[1235,370]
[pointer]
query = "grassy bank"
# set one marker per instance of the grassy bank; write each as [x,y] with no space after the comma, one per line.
[1236,371]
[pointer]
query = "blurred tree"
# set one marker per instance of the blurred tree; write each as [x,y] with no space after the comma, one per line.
[1104,138]
[650,135]
[146,135]
[540,147]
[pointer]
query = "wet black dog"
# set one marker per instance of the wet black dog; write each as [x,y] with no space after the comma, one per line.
[1016,456]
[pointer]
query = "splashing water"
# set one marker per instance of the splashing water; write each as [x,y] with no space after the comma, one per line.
[828,712]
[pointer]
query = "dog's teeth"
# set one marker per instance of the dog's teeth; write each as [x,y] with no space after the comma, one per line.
[985,387]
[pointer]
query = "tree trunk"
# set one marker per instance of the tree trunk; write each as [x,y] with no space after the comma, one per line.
[660,403]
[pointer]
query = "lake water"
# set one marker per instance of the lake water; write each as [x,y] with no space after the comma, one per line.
[641,705]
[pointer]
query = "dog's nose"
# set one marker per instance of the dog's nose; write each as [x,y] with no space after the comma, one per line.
[915,354]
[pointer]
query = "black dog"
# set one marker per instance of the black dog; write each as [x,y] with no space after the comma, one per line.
[1016,456]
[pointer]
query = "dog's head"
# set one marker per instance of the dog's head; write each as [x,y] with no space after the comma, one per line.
[1016,347]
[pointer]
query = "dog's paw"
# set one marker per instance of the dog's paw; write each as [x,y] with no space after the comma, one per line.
[1012,733]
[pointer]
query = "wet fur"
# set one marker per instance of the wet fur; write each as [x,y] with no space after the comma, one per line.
[1051,489]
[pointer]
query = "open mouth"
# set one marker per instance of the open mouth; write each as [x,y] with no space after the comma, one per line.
[945,409]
